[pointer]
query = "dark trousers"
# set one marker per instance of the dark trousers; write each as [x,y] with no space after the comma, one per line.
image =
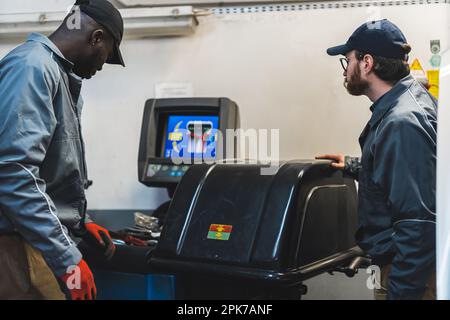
[381,294]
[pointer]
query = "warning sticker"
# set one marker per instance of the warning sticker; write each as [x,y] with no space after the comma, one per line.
[219,231]
[416,66]
[418,72]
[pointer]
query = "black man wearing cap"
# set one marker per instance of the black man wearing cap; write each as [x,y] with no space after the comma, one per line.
[397,169]
[43,174]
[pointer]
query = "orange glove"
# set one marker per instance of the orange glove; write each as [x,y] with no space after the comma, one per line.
[80,283]
[100,238]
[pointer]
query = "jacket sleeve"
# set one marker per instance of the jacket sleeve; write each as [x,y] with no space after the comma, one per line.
[405,166]
[26,128]
[352,166]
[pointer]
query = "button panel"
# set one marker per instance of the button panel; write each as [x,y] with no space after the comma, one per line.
[158,170]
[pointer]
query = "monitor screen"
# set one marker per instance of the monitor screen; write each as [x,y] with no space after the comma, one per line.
[191,136]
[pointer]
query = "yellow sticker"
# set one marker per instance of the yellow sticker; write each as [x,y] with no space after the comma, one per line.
[434,90]
[418,73]
[433,77]
[433,80]
[416,66]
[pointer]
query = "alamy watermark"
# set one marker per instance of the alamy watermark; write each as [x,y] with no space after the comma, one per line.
[74,280]
[199,143]
[374,279]
[373,17]
[73,21]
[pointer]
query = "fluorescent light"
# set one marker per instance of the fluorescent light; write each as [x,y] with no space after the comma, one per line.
[139,22]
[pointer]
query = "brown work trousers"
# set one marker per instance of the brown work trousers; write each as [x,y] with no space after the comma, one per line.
[381,294]
[24,274]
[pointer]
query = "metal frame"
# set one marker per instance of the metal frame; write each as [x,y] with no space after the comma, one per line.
[139,22]
[305,210]
[133,3]
[308,3]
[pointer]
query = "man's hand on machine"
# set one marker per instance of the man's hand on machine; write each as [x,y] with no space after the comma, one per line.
[79,282]
[100,238]
[338,160]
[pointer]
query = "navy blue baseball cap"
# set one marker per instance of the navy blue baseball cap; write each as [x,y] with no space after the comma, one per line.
[380,38]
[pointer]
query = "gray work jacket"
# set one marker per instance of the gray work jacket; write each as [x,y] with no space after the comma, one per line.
[397,186]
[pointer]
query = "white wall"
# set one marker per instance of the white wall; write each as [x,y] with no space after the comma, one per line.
[273,65]
[27,6]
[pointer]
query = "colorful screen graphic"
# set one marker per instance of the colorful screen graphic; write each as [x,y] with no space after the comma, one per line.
[191,137]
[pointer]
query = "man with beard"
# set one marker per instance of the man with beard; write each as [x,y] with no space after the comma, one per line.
[43,171]
[397,168]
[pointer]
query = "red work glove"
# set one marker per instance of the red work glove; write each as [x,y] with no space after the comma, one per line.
[130,240]
[100,238]
[80,282]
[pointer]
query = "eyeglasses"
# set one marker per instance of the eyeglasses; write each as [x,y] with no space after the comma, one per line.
[344,63]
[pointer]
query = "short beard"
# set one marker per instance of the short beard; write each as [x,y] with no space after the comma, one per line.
[356,86]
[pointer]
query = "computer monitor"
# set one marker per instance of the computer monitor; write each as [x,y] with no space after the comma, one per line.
[191,136]
[179,132]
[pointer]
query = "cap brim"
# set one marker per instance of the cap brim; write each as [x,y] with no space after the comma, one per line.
[342,49]
[116,57]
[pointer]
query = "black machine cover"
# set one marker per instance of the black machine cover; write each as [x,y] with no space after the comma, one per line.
[272,227]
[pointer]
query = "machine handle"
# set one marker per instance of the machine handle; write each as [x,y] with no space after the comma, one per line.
[360,262]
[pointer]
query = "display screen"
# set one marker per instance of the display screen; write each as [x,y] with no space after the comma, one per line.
[191,136]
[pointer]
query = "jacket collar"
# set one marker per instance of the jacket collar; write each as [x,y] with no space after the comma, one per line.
[48,43]
[385,102]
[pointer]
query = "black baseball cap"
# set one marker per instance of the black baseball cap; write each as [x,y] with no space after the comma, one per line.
[105,14]
[380,38]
